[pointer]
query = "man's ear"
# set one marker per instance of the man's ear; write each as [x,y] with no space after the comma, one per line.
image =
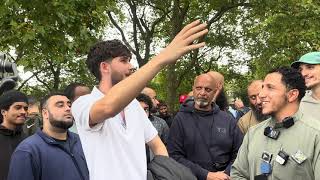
[3,111]
[292,95]
[104,67]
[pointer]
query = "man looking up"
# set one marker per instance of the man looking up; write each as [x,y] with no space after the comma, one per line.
[254,116]
[309,67]
[111,123]
[13,107]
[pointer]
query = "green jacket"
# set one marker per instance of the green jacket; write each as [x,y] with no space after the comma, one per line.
[304,135]
[310,106]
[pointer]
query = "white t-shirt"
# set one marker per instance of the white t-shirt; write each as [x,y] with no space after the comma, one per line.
[112,150]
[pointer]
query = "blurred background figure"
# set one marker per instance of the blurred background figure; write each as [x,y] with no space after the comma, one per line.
[33,121]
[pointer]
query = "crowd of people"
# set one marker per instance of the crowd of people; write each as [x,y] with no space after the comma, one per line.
[120,130]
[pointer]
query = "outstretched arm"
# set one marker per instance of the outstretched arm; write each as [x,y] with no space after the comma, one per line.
[125,91]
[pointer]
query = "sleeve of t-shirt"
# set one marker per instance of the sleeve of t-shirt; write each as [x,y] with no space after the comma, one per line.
[80,110]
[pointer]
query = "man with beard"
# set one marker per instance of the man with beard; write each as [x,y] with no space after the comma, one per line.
[164,113]
[53,152]
[112,125]
[202,137]
[309,67]
[254,116]
[153,96]
[14,107]
[287,145]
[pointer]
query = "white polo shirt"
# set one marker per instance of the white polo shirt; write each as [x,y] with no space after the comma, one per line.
[112,150]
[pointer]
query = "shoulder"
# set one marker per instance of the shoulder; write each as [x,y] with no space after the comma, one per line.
[309,122]
[30,143]
[259,127]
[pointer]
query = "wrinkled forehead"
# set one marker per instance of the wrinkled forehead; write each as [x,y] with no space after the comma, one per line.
[204,81]
[255,88]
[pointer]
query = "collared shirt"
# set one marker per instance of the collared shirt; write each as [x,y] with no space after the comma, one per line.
[114,151]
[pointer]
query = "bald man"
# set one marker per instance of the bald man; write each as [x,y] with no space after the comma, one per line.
[254,116]
[202,137]
[153,95]
[220,97]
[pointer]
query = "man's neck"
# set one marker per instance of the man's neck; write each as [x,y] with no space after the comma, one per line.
[287,111]
[104,86]
[8,125]
[316,92]
[55,133]
[207,108]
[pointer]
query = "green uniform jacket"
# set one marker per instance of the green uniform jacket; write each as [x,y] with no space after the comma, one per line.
[310,106]
[304,135]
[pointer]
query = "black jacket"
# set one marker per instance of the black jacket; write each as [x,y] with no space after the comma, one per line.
[204,141]
[165,168]
[9,140]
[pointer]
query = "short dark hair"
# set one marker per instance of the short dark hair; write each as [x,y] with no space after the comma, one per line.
[105,51]
[10,97]
[69,91]
[146,99]
[44,100]
[292,79]
[162,103]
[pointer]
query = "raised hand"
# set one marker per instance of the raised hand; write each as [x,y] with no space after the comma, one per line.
[184,42]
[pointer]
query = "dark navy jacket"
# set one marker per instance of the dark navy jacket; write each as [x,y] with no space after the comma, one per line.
[204,141]
[40,157]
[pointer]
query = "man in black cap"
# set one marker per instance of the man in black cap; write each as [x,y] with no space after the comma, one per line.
[13,107]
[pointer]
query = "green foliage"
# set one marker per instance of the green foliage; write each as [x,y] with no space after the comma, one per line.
[50,37]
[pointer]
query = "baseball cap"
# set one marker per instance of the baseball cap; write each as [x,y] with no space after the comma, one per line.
[309,58]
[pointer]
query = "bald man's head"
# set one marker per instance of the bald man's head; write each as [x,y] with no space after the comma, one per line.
[204,89]
[218,76]
[152,94]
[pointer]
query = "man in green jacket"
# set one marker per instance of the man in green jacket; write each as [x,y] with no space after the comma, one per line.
[287,145]
[309,66]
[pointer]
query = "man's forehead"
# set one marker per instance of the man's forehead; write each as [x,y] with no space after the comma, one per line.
[57,98]
[254,87]
[272,78]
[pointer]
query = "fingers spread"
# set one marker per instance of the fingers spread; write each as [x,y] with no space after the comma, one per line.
[189,26]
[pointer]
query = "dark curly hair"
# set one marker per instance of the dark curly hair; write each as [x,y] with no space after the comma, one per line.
[146,99]
[292,79]
[70,90]
[105,51]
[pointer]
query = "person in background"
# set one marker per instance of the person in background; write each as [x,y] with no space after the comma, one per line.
[33,121]
[73,91]
[164,113]
[309,67]
[202,137]
[254,116]
[14,108]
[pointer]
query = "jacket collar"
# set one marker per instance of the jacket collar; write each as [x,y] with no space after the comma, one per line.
[49,140]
